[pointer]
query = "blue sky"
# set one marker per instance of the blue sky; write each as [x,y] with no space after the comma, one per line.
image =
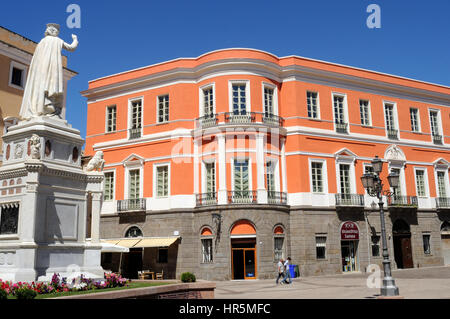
[116,36]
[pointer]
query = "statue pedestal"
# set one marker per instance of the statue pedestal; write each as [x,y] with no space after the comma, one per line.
[43,204]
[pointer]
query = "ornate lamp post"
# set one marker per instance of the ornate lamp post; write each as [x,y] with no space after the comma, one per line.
[374,186]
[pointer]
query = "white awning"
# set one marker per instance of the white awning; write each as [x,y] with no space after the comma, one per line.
[108,247]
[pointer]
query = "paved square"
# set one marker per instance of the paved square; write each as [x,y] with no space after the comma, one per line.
[428,283]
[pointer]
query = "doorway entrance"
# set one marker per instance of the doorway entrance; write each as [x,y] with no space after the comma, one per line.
[402,244]
[243,258]
[349,252]
[133,263]
[445,239]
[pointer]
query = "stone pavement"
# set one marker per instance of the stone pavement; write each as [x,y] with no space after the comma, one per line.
[428,283]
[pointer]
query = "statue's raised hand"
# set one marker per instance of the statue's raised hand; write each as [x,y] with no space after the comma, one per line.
[74,37]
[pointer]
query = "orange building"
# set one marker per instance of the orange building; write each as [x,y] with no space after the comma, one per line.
[227,162]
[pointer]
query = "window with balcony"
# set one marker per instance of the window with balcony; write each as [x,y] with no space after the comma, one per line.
[317,177]
[397,190]
[344,178]
[339,114]
[392,131]
[435,130]
[241,176]
[162,181]
[163,108]
[414,116]
[239,99]
[441,183]
[364,110]
[208,101]
[136,119]
[111,115]
[109,186]
[420,182]
[270,176]
[268,102]
[134,184]
[312,104]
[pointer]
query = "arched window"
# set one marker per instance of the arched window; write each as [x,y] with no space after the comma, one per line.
[133,232]
[278,242]
[206,241]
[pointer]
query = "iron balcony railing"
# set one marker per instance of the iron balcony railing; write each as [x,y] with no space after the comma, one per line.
[341,127]
[127,205]
[135,133]
[437,139]
[349,200]
[206,199]
[240,118]
[274,197]
[401,201]
[442,202]
[392,134]
[241,197]
[207,120]
[272,120]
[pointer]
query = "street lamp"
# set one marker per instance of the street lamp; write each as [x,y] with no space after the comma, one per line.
[374,186]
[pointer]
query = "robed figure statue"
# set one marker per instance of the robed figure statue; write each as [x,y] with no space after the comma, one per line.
[44,89]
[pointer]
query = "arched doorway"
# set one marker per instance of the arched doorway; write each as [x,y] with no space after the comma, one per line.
[402,244]
[243,250]
[445,239]
[133,260]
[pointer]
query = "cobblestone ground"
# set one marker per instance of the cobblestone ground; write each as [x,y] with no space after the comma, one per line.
[428,283]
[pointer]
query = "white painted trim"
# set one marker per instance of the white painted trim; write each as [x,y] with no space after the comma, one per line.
[242,236]
[24,69]
[401,166]
[351,162]
[439,123]
[324,175]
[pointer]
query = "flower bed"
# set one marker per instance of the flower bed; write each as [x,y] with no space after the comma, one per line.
[23,290]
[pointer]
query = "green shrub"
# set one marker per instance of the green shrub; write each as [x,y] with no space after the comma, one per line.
[3,295]
[187,277]
[25,293]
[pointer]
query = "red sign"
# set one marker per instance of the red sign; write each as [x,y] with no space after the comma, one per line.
[349,231]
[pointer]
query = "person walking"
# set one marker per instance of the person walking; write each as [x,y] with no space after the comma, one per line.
[280,267]
[288,271]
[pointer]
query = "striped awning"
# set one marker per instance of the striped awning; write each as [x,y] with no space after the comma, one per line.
[142,242]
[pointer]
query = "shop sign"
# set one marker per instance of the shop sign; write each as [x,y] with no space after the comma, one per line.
[349,231]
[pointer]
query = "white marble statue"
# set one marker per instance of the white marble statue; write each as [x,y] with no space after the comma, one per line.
[44,89]
[35,147]
[96,163]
